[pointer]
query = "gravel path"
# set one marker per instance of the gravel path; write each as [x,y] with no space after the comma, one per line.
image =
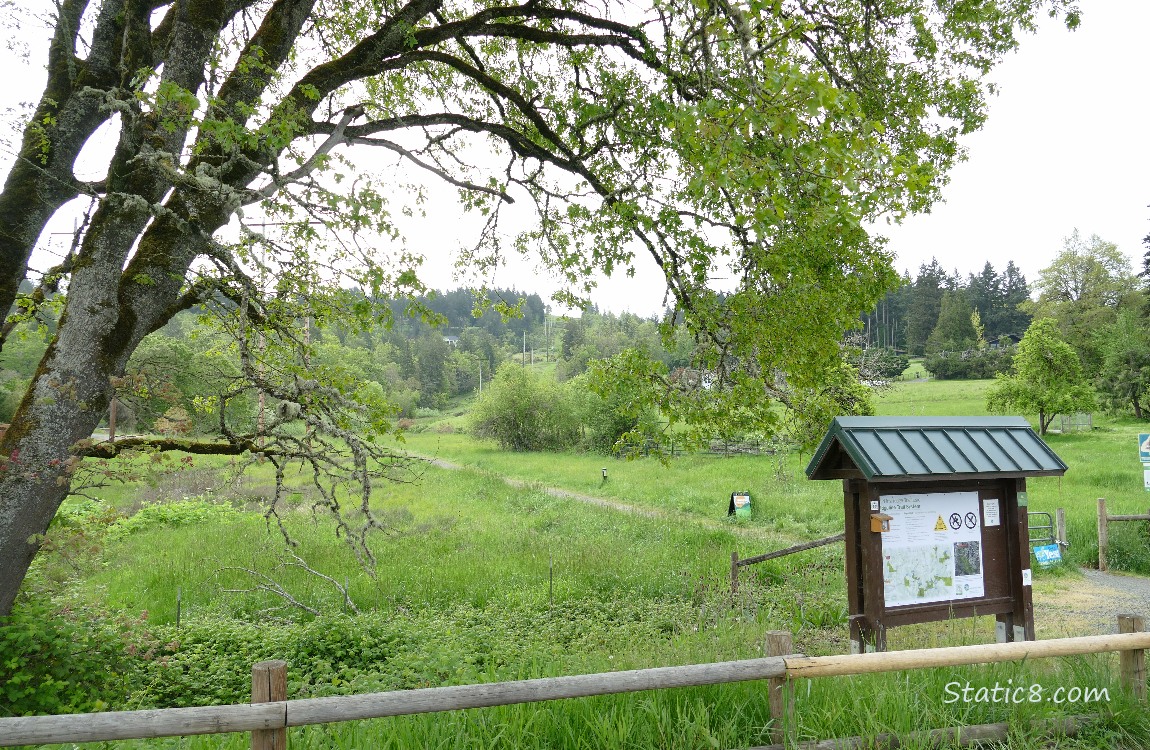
[1089,605]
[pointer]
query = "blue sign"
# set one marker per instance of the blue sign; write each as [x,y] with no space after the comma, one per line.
[1144,447]
[1047,555]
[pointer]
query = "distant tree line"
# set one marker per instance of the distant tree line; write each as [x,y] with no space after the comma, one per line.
[932,311]
[1084,328]
[1077,340]
[444,346]
[453,343]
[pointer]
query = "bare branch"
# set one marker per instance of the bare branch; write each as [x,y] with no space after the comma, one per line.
[443,175]
[268,585]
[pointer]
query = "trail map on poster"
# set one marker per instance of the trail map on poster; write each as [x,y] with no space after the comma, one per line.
[933,551]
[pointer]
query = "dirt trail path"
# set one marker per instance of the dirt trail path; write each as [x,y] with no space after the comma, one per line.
[1089,605]
[766,536]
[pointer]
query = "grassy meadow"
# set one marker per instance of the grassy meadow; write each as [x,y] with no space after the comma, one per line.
[1102,463]
[479,580]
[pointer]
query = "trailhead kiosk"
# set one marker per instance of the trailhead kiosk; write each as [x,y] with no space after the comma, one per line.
[936,522]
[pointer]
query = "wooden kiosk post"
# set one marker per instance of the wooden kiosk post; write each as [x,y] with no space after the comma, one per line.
[936,523]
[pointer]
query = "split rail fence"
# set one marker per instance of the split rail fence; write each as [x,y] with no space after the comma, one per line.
[269,715]
[1056,528]
[736,563]
[1104,520]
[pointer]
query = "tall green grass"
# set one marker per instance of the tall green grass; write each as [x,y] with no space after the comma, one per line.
[736,715]
[933,398]
[484,581]
[698,486]
[1102,463]
[458,536]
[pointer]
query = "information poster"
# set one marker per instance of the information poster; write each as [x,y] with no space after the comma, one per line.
[990,513]
[933,551]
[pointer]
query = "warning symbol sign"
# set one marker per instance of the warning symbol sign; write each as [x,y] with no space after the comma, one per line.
[940,525]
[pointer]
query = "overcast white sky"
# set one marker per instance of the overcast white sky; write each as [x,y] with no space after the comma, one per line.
[1065,147]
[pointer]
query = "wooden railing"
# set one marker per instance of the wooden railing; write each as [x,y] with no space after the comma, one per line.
[269,715]
[737,563]
[1104,520]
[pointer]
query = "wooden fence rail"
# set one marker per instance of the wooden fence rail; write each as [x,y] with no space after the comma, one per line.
[175,722]
[1104,533]
[269,680]
[737,563]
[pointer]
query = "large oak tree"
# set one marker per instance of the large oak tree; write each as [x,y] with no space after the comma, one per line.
[758,137]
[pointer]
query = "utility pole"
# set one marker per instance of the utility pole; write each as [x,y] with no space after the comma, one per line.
[523,359]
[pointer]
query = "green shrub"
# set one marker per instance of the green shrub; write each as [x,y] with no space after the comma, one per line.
[71,548]
[616,407]
[59,660]
[208,661]
[524,411]
[973,364]
[180,513]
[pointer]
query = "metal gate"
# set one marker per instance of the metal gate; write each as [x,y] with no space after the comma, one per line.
[1040,534]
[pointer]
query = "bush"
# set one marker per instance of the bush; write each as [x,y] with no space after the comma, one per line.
[973,364]
[209,661]
[616,406]
[189,512]
[524,411]
[878,363]
[607,422]
[55,661]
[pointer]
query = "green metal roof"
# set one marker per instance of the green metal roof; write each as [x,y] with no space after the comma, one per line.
[903,448]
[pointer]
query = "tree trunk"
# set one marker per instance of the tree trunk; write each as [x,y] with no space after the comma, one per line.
[104,320]
[1137,408]
[63,406]
[41,178]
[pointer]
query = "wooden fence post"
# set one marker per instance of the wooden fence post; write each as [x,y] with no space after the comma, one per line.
[1133,662]
[1103,535]
[778,692]
[734,572]
[269,684]
[1060,529]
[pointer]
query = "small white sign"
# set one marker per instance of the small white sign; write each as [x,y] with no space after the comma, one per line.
[874,504]
[990,514]
[1026,577]
[1146,479]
